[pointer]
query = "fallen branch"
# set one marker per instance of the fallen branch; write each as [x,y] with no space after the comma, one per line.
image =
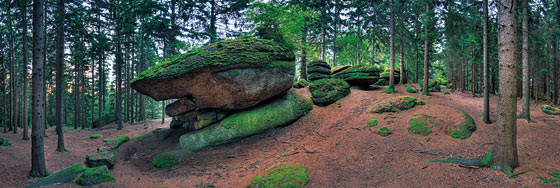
[309,151]
[288,154]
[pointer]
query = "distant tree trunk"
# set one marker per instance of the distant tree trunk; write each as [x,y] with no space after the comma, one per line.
[60,77]
[323,43]
[525,113]
[505,149]
[38,166]
[486,113]
[119,61]
[392,47]
[4,95]
[426,53]
[11,59]
[403,68]
[212,32]
[24,54]
[13,78]
[162,112]
[473,71]
[142,110]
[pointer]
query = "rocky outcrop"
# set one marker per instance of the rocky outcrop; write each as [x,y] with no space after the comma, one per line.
[317,70]
[66,175]
[328,91]
[112,144]
[396,104]
[359,75]
[94,176]
[101,159]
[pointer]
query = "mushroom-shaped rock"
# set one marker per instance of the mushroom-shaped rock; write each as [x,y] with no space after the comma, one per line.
[359,75]
[229,75]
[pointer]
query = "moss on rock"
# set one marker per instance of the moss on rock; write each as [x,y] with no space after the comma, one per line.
[301,83]
[338,69]
[5,142]
[170,159]
[419,125]
[276,112]
[95,136]
[318,69]
[282,176]
[106,158]
[396,104]
[247,51]
[446,93]
[112,144]
[547,109]
[66,175]
[465,130]
[94,176]
[384,131]
[373,122]
[317,76]
[410,90]
[328,91]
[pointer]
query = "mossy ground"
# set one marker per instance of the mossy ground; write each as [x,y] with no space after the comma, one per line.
[390,89]
[66,175]
[419,125]
[547,109]
[384,131]
[93,176]
[145,134]
[328,91]
[5,142]
[113,144]
[300,83]
[165,160]
[373,122]
[95,136]
[463,131]
[282,176]
[446,93]
[410,90]
[396,104]
[250,51]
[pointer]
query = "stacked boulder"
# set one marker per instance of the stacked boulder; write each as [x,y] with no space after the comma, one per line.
[317,70]
[223,82]
[385,76]
[359,75]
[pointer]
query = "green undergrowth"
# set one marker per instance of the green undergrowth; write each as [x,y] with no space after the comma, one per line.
[390,89]
[479,162]
[446,93]
[113,144]
[396,104]
[5,142]
[547,109]
[300,83]
[282,176]
[106,118]
[66,175]
[410,90]
[248,51]
[555,177]
[170,159]
[328,91]
[373,122]
[384,131]
[95,136]
[93,176]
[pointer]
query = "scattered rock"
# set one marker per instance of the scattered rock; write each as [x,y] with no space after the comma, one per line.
[229,75]
[66,175]
[101,159]
[105,119]
[547,109]
[396,104]
[170,159]
[384,131]
[279,111]
[181,106]
[112,144]
[94,176]
[328,91]
[196,120]
[282,176]
[5,142]
[454,123]
[317,70]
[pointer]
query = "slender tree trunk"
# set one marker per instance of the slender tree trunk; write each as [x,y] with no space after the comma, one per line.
[4,95]
[403,68]
[525,112]
[323,43]
[24,54]
[505,149]
[426,52]
[60,77]
[486,113]
[13,77]
[38,166]
[162,112]
[392,47]
[213,34]
[142,111]
[473,71]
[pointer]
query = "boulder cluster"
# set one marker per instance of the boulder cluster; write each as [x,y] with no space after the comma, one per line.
[221,81]
[317,70]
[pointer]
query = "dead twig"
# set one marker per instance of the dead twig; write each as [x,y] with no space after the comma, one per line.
[288,154]
[309,151]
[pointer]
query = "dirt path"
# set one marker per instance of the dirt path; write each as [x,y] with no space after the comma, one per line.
[334,143]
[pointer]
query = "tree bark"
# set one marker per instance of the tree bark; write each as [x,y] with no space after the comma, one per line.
[142,110]
[505,150]
[60,77]
[473,73]
[13,77]
[119,61]
[525,112]
[403,68]
[38,166]
[392,46]
[486,113]
[24,54]
[426,52]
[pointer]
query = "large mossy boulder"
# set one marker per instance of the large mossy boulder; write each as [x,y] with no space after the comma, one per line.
[328,91]
[396,104]
[317,70]
[170,159]
[66,175]
[112,144]
[338,69]
[279,111]
[106,158]
[282,176]
[442,120]
[5,142]
[94,176]
[547,109]
[105,119]
[359,75]
[229,75]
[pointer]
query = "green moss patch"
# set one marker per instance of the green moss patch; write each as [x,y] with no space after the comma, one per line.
[95,136]
[301,83]
[94,176]
[446,93]
[66,175]
[373,122]
[5,142]
[319,63]
[317,76]
[410,90]
[318,69]
[247,51]
[465,130]
[282,176]
[156,132]
[434,86]
[328,91]
[384,131]
[396,104]
[170,159]
[385,75]
[101,159]
[276,112]
[419,125]
[113,144]
[390,89]
[547,109]
[338,69]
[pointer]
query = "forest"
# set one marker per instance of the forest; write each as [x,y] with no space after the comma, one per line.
[279,93]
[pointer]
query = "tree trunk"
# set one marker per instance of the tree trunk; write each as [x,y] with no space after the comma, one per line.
[60,77]
[118,89]
[473,73]
[13,77]
[486,113]
[505,149]
[392,46]
[212,32]
[403,68]
[162,112]
[525,113]
[24,54]
[142,110]
[4,95]
[38,166]
[426,52]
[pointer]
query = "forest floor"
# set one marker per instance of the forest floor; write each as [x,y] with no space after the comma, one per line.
[334,143]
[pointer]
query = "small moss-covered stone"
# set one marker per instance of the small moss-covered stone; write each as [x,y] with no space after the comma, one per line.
[282,176]
[170,159]
[384,131]
[419,125]
[95,136]
[94,176]
[5,142]
[279,111]
[446,93]
[156,132]
[66,175]
[547,109]
[112,144]
[396,104]
[373,122]
[106,158]
[328,91]
[465,130]
[105,119]
[410,90]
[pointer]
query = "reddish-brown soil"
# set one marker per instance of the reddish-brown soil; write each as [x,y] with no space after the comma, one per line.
[333,142]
